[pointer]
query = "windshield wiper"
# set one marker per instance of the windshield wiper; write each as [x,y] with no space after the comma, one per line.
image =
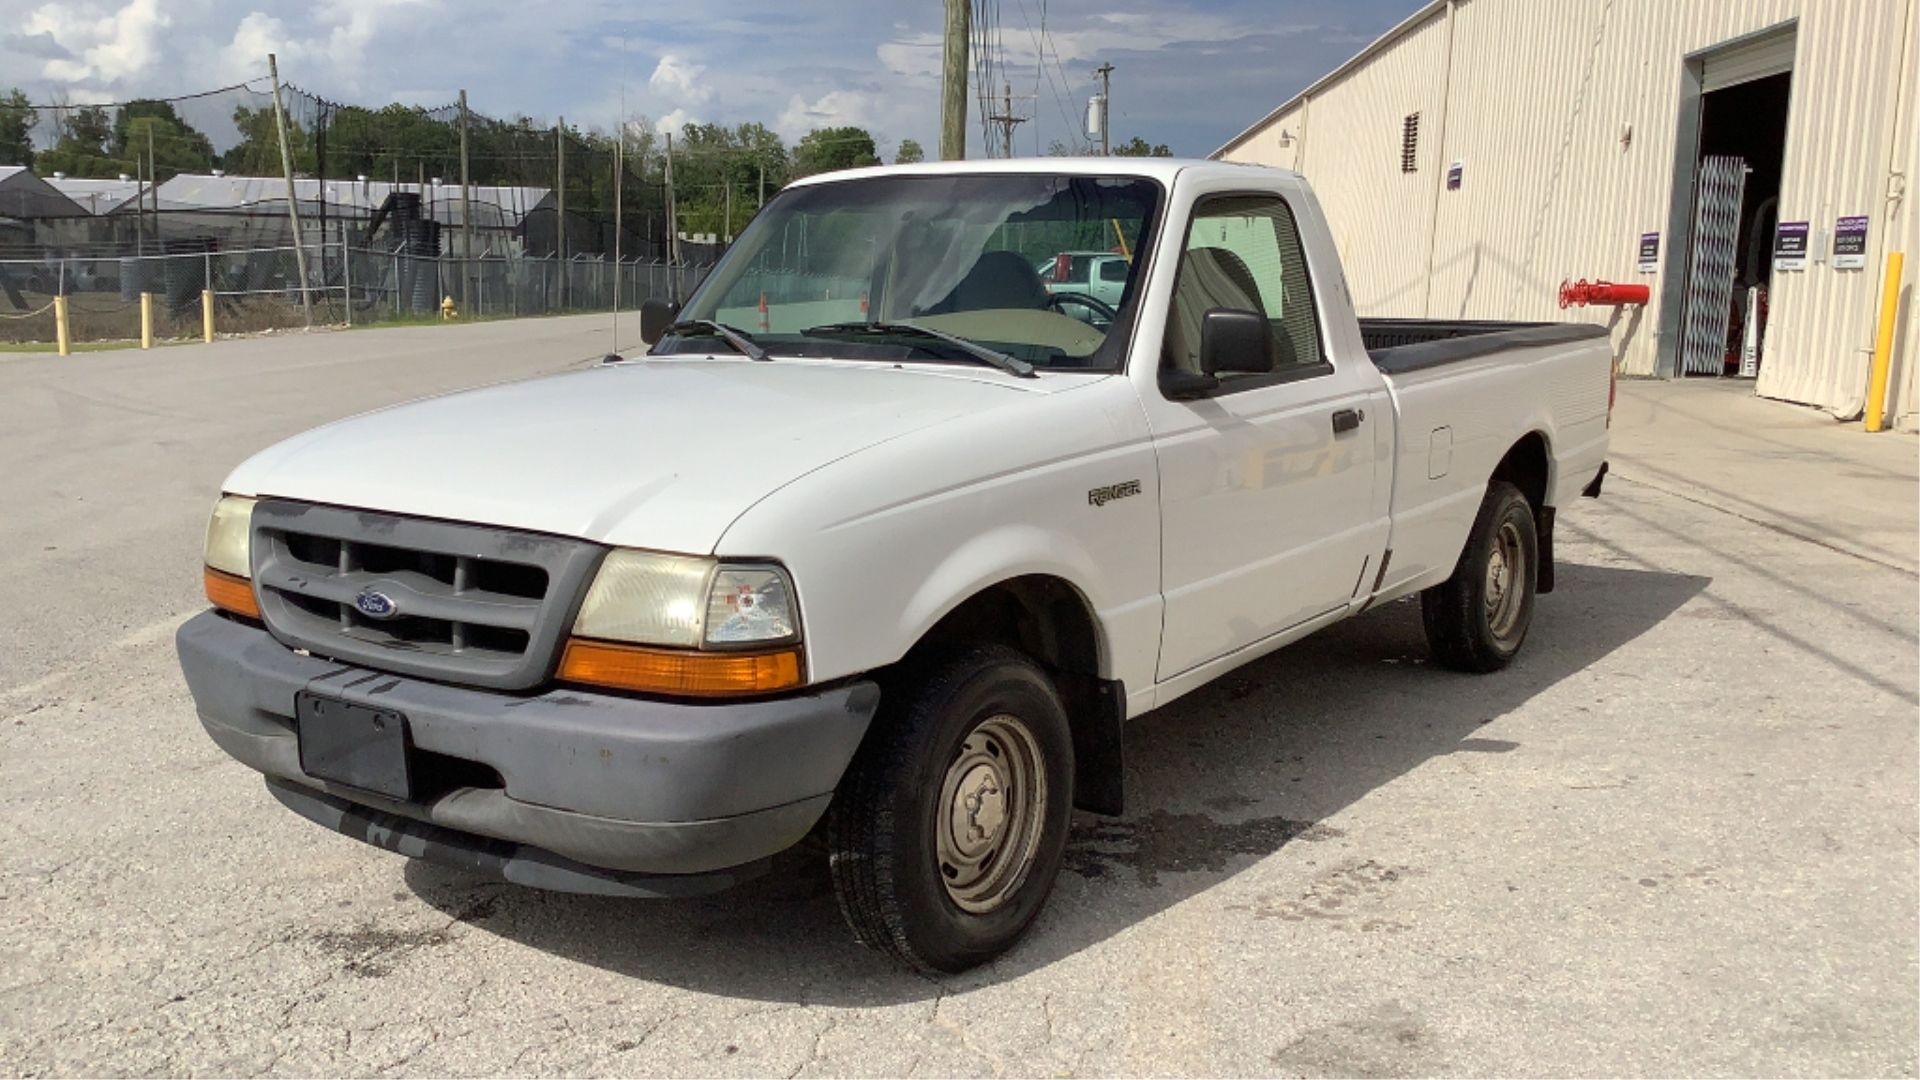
[1009,364]
[736,338]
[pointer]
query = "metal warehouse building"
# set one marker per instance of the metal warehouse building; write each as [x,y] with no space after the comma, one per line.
[1732,155]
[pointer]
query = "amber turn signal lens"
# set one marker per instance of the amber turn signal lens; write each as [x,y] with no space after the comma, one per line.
[229,593]
[679,671]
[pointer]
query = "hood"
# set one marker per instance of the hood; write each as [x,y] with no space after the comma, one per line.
[660,454]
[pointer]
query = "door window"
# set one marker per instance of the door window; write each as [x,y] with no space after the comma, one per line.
[1243,252]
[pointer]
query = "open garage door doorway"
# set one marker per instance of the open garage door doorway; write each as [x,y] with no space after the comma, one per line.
[1729,158]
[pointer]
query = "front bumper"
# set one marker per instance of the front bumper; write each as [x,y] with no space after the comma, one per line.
[596,792]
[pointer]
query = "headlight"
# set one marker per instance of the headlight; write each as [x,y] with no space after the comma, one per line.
[749,605]
[688,603]
[227,535]
[643,597]
[681,625]
[228,557]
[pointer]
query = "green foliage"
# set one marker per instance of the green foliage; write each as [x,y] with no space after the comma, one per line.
[17,120]
[258,151]
[87,130]
[827,149]
[399,141]
[177,146]
[909,153]
[81,149]
[1138,147]
[710,160]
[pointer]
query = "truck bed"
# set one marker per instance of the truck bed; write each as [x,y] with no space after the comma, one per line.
[1402,345]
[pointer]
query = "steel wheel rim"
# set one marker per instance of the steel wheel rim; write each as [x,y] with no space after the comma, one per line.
[1505,582]
[991,812]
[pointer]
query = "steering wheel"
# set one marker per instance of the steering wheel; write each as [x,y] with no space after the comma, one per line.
[1057,300]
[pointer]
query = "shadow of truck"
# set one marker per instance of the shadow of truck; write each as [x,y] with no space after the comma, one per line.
[1217,781]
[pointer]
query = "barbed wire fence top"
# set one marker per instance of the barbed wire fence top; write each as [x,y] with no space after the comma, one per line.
[399,207]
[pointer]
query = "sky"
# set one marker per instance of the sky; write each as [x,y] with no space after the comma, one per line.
[1187,73]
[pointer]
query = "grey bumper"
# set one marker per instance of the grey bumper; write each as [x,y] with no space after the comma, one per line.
[589,782]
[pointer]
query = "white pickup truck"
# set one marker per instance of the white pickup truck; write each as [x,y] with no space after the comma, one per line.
[877,546]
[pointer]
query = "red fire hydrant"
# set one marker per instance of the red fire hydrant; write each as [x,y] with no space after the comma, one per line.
[1583,292]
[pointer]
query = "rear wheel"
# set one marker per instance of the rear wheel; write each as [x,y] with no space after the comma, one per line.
[948,831]
[1477,619]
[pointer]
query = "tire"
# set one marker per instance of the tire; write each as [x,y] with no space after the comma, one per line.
[974,744]
[1477,619]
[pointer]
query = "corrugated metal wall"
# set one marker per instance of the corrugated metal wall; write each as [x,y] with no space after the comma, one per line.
[1563,115]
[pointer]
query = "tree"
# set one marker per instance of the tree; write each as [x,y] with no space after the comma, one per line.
[81,149]
[258,151]
[177,146]
[826,149]
[17,120]
[909,153]
[1138,147]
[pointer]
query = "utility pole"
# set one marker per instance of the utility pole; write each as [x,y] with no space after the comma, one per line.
[673,214]
[727,234]
[286,166]
[619,185]
[1105,71]
[953,82]
[560,210]
[1007,120]
[763,186]
[466,209]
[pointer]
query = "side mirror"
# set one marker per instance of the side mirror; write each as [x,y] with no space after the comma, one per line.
[655,316]
[1238,341]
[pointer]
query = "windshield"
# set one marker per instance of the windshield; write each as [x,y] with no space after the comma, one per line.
[850,270]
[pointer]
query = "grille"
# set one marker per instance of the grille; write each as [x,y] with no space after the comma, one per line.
[459,603]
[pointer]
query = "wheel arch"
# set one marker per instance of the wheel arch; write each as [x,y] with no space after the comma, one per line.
[1528,465]
[1047,617]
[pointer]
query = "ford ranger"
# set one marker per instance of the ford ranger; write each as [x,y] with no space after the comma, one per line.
[880,543]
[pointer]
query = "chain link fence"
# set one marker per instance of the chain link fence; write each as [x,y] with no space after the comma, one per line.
[260,289]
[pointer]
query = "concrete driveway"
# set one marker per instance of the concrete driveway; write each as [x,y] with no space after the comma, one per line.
[1678,837]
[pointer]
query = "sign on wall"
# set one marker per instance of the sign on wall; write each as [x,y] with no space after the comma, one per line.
[1790,246]
[1455,172]
[1649,252]
[1850,243]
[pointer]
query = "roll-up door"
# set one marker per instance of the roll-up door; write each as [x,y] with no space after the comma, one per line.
[1768,54]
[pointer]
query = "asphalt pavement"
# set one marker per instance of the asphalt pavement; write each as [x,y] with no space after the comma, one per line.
[1678,836]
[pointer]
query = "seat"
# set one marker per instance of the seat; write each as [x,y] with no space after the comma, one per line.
[998,279]
[1211,277]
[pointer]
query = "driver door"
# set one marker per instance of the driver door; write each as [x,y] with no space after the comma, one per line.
[1267,481]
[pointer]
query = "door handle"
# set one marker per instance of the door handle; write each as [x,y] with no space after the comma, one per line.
[1347,419]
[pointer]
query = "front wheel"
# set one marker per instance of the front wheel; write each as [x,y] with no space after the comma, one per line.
[1477,619]
[948,831]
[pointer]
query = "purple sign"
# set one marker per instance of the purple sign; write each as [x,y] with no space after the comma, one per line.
[1790,246]
[1850,243]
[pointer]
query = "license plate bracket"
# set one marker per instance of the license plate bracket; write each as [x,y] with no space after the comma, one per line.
[355,745]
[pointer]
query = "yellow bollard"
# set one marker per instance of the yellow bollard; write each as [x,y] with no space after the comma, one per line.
[146,320]
[1883,345]
[60,326]
[206,315]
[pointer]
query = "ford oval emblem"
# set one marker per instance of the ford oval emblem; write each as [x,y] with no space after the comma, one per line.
[375,605]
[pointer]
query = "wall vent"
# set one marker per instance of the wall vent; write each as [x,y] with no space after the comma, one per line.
[1410,142]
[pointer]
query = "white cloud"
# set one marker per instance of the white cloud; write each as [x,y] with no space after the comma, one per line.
[679,80]
[918,56]
[343,36]
[109,45]
[836,108]
[674,121]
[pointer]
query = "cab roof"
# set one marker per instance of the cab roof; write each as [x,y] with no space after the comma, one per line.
[1153,168]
